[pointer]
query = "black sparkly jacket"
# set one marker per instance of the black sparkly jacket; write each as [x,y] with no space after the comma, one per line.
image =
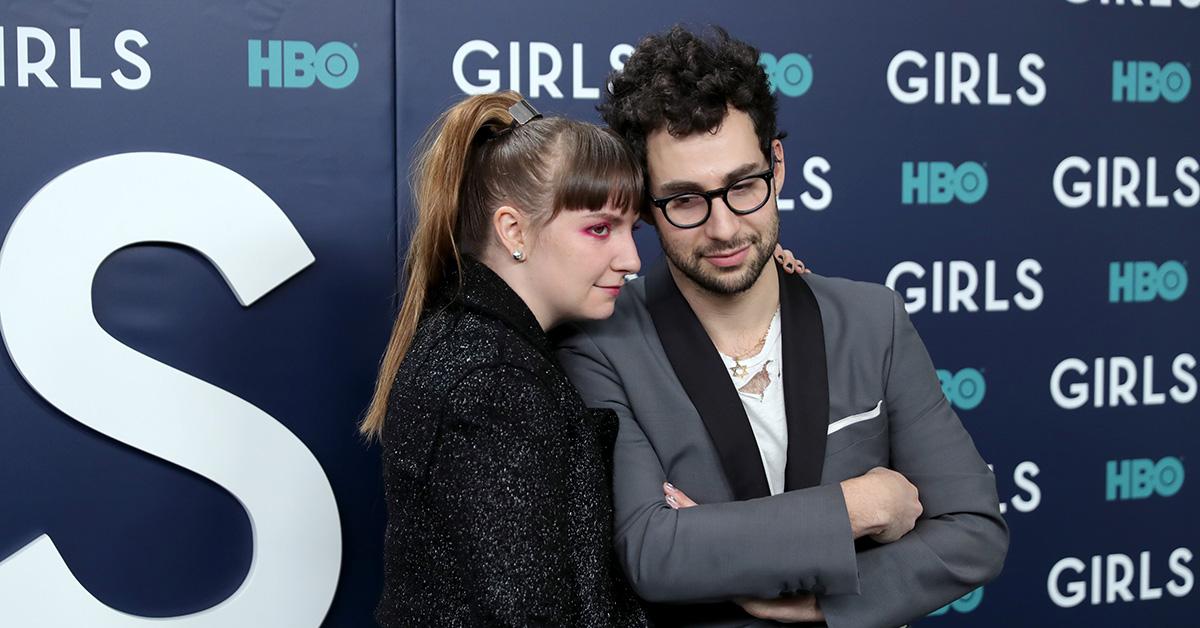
[497,477]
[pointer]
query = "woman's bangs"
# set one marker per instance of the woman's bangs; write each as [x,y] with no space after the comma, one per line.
[597,169]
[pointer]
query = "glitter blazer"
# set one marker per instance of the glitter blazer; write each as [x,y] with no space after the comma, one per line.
[497,476]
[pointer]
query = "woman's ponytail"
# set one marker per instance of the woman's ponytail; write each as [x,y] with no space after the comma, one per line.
[438,184]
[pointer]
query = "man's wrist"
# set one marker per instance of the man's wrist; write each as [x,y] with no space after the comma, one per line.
[864,520]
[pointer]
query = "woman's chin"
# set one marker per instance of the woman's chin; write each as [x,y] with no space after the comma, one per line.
[596,312]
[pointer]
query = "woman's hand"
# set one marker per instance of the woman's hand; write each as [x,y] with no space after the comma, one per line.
[790,264]
[676,498]
[796,608]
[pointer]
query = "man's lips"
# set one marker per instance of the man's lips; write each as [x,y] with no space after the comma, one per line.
[729,259]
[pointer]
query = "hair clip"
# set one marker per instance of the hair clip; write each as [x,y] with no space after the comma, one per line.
[522,113]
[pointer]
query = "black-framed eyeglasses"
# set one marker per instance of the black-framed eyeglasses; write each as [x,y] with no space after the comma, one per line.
[744,196]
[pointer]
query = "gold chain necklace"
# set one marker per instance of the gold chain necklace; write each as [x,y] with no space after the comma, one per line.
[740,370]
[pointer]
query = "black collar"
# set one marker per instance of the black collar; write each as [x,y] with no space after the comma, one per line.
[702,373]
[482,290]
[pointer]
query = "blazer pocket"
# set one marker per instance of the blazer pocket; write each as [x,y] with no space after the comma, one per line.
[841,424]
[856,429]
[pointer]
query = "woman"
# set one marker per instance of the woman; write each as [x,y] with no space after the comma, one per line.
[496,474]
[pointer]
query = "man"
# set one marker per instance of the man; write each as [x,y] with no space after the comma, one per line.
[800,412]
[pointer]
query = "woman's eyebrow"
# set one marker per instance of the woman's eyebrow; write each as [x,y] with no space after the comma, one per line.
[606,213]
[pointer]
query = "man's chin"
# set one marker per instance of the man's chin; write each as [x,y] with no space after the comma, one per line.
[727,280]
[721,280]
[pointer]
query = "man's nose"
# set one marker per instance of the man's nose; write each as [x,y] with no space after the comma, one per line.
[722,223]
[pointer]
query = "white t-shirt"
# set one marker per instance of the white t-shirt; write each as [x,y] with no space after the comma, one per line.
[768,418]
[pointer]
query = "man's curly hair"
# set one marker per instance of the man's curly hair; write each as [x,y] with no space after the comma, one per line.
[684,82]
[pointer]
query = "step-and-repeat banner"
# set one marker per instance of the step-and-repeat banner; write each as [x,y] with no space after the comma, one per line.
[198,205]
[1025,174]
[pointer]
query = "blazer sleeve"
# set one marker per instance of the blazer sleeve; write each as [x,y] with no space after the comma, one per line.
[493,474]
[767,547]
[960,541]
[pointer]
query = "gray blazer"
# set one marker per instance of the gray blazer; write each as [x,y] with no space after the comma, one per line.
[860,391]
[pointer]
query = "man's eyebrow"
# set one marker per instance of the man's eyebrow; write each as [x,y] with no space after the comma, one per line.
[675,187]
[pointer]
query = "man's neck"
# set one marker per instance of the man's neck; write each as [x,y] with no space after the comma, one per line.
[733,321]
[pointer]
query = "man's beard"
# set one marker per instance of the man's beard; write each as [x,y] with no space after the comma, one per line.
[712,279]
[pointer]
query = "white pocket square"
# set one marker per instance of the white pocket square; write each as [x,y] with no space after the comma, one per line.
[855,418]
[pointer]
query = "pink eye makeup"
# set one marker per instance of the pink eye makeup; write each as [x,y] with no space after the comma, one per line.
[600,230]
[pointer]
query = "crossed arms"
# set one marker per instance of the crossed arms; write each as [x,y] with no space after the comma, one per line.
[803,541]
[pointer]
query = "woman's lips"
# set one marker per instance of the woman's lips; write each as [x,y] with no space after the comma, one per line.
[612,290]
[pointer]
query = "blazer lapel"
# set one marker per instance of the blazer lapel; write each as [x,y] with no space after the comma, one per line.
[702,373]
[805,382]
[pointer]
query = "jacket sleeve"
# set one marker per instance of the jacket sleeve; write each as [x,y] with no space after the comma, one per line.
[494,475]
[961,540]
[799,540]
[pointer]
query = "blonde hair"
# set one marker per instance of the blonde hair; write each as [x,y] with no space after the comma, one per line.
[472,162]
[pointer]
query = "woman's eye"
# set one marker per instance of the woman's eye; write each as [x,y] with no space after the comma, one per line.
[599,230]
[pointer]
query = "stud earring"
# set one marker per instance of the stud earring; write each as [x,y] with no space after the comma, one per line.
[518,255]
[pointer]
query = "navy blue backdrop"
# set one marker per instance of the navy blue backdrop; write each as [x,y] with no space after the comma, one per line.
[141,534]
[835,103]
[1093,482]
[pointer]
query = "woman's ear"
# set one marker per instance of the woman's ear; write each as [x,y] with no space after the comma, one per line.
[510,226]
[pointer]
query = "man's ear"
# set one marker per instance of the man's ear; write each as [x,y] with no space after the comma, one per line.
[780,170]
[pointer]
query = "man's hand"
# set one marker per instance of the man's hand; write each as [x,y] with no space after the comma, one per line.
[787,610]
[882,504]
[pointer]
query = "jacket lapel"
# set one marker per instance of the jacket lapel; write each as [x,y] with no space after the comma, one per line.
[805,382]
[702,373]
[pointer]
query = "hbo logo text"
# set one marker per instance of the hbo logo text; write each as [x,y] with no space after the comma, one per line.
[791,74]
[299,64]
[964,389]
[939,182]
[964,604]
[1146,81]
[1141,478]
[1140,282]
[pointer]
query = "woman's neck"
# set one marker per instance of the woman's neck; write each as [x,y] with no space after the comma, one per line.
[520,283]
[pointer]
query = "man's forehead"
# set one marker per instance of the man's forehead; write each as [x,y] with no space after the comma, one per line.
[702,156]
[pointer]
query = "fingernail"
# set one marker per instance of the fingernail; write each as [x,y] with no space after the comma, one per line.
[672,502]
[671,486]
[788,265]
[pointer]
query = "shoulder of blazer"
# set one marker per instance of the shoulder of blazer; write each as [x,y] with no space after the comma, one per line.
[854,305]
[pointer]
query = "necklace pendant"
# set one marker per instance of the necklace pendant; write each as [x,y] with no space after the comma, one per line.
[739,370]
